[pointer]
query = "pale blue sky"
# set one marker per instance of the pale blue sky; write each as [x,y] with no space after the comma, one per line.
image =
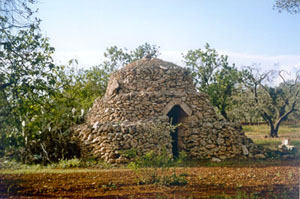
[248,31]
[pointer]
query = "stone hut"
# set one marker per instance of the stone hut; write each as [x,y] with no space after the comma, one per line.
[141,100]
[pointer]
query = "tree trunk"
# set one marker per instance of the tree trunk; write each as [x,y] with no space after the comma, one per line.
[272,129]
[223,113]
[277,124]
[276,132]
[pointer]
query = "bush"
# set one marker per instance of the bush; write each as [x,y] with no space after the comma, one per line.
[65,164]
[130,154]
[174,179]
[159,164]
[153,159]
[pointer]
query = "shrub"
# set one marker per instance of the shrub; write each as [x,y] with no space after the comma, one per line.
[153,159]
[174,179]
[65,164]
[158,173]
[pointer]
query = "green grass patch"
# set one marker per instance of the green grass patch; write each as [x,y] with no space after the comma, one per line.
[63,166]
[295,143]
[260,135]
[46,170]
[267,142]
[264,129]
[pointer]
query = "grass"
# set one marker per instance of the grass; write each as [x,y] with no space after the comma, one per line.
[239,195]
[46,170]
[63,166]
[260,135]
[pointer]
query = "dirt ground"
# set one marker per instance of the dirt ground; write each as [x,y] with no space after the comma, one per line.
[278,180]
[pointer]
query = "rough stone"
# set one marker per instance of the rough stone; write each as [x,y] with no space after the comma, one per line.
[260,156]
[140,100]
[245,150]
[216,160]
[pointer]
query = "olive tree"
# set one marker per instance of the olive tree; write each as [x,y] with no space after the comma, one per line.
[273,103]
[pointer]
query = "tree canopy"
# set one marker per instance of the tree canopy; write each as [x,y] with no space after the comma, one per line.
[15,13]
[291,6]
[273,103]
[116,57]
[215,76]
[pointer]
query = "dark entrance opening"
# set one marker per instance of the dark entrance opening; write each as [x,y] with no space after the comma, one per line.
[176,116]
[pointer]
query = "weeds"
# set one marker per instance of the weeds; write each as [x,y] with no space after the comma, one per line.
[62,164]
[110,186]
[174,179]
[66,164]
[160,177]
[239,195]
[155,160]
[153,168]
[10,164]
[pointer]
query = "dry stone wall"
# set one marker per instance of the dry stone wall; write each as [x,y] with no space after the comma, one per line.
[108,141]
[134,112]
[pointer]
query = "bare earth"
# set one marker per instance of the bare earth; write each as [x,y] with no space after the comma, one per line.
[278,180]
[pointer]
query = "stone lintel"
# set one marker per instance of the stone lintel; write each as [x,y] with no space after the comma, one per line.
[186,109]
[182,105]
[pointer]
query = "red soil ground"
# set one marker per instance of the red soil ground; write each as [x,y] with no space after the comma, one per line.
[278,180]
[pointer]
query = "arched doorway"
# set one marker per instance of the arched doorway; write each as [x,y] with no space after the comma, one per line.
[176,115]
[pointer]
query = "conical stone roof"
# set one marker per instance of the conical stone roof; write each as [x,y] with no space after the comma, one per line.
[140,90]
[140,101]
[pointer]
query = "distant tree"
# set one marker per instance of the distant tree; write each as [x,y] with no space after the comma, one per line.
[273,103]
[243,109]
[116,57]
[291,6]
[214,76]
[14,15]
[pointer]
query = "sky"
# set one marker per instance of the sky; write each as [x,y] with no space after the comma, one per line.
[249,32]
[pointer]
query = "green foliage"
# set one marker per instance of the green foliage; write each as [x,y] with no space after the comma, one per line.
[182,158]
[27,81]
[160,177]
[174,179]
[152,159]
[291,6]
[159,164]
[13,165]
[244,195]
[118,57]
[243,109]
[41,101]
[110,186]
[44,101]
[80,88]
[66,164]
[240,195]
[214,76]
[273,103]
[16,14]
[9,164]
[130,154]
